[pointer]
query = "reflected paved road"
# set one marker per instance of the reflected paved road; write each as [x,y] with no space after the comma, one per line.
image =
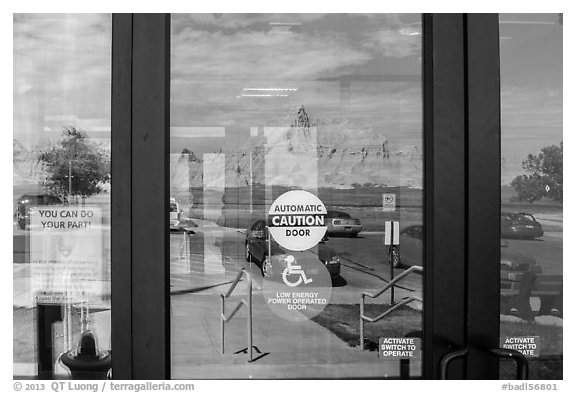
[547,250]
[211,258]
[206,261]
[216,254]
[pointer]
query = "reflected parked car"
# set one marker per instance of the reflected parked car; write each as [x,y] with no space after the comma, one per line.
[340,223]
[410,252]
[26,201]
[515,261]
[274,262]
[520,225]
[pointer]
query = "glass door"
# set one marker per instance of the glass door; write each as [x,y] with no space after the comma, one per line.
[296,185]
[61,196]
[532,192]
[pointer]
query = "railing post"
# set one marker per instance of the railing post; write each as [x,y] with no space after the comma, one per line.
[249,295]
[247,303]
[362,323]
[222,322]
[269,243]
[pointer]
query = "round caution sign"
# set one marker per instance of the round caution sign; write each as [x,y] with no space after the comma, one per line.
[296,220]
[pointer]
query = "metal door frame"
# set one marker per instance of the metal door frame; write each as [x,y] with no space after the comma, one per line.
[461,195]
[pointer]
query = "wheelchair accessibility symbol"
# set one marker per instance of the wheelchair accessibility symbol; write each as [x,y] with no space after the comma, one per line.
[294,270]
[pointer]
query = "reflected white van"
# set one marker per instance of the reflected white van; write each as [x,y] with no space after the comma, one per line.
[174,215]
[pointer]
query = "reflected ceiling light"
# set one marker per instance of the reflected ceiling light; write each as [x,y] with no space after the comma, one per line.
[411,29]
[267,92]
[408,31]
[263,95]
[285,23]
[284,27]
[269,89]
[525,22]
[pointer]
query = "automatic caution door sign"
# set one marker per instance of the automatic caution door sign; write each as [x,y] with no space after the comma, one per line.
[297,220]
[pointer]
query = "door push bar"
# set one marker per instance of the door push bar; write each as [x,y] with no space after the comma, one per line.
[521,361]
[448,358]
[501,353]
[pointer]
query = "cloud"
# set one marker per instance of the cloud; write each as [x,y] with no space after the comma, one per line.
[531,107]
[215,58]
[236,21]
[392,43]
[248,46]
[62,65]
[531,119]
[262,55]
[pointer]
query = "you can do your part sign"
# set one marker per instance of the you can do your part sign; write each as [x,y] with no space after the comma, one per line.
[66,254]
[297,220]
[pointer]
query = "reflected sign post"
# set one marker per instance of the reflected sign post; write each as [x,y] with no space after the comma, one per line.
[391,239]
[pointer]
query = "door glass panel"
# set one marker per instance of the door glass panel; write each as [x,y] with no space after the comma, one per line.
[532,207]
[296,144]
[61,195]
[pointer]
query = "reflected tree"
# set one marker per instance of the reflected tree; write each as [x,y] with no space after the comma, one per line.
[75,165]
[544,178]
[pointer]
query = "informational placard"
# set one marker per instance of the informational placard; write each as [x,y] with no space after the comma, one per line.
[389,202]
[528,346]
[399,347]
[296,220]
[301,288]
[66,254]
[391,233]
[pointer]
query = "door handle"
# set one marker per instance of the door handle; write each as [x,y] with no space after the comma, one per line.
[521,361]
[448,358]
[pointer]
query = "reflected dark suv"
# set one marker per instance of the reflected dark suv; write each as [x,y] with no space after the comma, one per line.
[520,225]
[29,200]
[410,252]
[257,251]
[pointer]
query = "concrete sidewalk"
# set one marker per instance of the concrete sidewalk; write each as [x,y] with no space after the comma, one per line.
[282,348]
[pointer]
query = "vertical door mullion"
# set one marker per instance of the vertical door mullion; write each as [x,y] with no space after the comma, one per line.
[150,196]
[444,192]
[483,97]
[140,196]
[121,196]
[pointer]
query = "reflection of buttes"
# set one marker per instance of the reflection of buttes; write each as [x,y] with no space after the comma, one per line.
[302,119]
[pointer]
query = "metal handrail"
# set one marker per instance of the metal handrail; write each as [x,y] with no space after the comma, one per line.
[247,303]
[393,308]
[391,284]
[417,269]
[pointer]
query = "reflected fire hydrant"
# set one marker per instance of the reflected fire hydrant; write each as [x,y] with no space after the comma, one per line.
[87,362]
